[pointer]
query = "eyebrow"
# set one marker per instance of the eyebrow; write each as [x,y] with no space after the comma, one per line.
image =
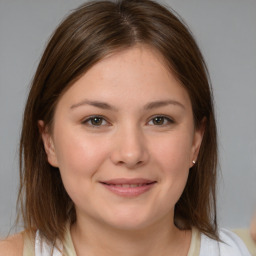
[149,106]
[163,103]
[94,103]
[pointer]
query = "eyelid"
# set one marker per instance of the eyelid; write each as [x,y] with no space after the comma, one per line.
[86,120]
[168,118]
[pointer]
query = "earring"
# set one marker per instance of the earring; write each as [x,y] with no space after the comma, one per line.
[193,161]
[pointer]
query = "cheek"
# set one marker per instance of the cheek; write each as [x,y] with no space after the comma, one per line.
[173,158]
[173,153]
[79,158]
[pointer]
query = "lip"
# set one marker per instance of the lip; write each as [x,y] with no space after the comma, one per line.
[128,187]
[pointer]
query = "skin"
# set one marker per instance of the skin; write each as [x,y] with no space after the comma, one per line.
[127,142]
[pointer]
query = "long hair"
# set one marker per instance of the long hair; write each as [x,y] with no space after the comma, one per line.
[90,33]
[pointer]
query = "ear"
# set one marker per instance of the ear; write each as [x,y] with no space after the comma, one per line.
[197,140]
[48,144]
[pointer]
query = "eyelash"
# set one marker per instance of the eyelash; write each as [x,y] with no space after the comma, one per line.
[90,119]
[166,119]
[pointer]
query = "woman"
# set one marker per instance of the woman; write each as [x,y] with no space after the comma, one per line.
[118,147]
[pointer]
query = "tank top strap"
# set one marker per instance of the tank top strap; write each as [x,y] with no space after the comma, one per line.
[29,244]
[44,248]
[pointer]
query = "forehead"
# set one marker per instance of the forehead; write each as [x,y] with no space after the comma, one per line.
[135,75]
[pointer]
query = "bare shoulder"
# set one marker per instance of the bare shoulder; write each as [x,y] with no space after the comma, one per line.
[12,246]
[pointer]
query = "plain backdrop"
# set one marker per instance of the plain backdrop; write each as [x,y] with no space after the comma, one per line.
[226,33]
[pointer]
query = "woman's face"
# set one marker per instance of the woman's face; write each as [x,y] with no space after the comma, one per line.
[124,140]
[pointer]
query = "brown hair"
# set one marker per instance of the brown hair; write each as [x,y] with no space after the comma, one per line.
[87,35]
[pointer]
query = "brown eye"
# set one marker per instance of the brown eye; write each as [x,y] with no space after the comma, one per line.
[161,120]
[95,121]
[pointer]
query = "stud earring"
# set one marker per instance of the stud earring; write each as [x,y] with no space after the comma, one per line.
[193,161]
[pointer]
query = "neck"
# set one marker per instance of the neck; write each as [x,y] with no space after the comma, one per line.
[162,238]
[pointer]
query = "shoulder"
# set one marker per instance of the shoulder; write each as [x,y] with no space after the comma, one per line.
[230,244]
[12,246]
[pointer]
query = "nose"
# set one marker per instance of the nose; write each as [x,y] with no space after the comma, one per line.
[129,148]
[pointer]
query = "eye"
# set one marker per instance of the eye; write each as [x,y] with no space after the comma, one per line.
[95,121]
[160,120]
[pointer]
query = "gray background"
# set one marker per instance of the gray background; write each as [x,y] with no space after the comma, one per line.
[226,33]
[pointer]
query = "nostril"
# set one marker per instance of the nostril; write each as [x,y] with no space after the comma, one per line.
[129,157]
[130,164]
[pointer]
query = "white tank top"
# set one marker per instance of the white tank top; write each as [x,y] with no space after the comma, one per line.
[232,246]
[42,248]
